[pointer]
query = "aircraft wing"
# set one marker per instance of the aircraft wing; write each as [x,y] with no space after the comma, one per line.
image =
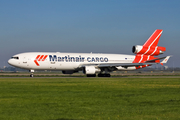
[124,64]
[149,62]
[101,65]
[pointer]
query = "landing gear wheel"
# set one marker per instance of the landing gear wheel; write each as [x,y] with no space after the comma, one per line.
[108,75]
[104,75]
[31,75]
[92,75]
[31,71]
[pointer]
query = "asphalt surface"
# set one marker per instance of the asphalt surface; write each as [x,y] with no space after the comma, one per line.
[105,77]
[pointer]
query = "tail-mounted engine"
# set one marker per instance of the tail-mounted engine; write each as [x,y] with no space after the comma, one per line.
[153,50]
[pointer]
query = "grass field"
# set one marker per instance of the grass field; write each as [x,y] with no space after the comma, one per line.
[89,98]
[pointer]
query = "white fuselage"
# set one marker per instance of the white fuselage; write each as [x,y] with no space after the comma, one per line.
[65,61]
[93,63]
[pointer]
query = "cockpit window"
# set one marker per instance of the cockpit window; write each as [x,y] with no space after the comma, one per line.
[15,58]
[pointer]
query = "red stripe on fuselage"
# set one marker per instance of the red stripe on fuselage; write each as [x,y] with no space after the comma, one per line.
[35,61]
[44,57]
[140,58]
[41,57]
[38,57]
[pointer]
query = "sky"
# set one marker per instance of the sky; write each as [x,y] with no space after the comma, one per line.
[98,26]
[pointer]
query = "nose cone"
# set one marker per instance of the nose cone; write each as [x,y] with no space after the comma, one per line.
[14,61]
[10,62]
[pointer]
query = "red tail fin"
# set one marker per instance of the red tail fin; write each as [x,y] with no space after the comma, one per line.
[150,46]
[153,39]
[149,49]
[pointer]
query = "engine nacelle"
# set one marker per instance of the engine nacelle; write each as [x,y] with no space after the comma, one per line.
[91,70]
[68,71]
[153,50]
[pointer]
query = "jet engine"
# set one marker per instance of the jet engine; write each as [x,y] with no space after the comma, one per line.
[153,50]
[91,70]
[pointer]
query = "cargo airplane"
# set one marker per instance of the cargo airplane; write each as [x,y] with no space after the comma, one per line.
[93,63]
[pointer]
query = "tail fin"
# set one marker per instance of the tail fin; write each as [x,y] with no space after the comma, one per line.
[150,49]
[153,39]
[150,46]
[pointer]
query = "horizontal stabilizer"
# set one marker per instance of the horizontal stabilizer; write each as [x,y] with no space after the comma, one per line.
[164,61]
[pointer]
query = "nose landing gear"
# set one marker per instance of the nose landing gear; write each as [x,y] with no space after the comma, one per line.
[32,71]
[31,75]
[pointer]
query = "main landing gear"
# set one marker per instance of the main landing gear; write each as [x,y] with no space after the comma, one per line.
[32,71]
[91,75]
[104,75]
[99,75]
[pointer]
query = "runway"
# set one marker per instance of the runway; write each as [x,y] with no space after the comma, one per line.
[103,77]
